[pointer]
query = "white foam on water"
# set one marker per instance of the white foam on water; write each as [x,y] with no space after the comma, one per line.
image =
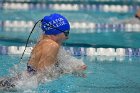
[27,83]
[66,64]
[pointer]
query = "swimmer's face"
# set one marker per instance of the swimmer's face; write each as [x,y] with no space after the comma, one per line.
[137,15]
[65,35]
[62,37]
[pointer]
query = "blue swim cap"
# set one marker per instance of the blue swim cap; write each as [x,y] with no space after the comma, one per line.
[54,24]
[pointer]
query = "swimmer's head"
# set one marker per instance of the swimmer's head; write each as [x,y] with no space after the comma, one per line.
[55,24]
[137,15]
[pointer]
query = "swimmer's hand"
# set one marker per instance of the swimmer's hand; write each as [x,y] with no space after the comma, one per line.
[80,71]
[81,68]
[84,67]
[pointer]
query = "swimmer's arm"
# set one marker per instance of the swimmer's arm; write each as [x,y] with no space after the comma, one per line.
[79,70]
[48,56]
[81,65]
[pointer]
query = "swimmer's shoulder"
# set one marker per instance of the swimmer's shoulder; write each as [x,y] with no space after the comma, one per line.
[50,44]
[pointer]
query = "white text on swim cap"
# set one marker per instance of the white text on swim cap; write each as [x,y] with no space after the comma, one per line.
[55,24]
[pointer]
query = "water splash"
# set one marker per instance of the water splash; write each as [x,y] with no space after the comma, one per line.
[67,62]
[66,65]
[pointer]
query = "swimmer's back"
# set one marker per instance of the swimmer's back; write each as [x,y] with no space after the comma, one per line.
[43,54]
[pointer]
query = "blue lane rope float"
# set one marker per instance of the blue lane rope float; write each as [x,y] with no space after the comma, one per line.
[74,7]
[79,51]
[93,27]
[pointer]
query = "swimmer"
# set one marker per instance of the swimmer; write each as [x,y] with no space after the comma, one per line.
[135,19]
[55,30]
[137,15]
[45,53]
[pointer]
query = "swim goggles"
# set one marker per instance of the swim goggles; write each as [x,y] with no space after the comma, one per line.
[66,33]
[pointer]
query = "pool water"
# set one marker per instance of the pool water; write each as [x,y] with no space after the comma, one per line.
[120,75]
[105,74]
[110,37]
[102,77]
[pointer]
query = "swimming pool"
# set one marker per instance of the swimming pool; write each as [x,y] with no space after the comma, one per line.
[104,74]
[111,51]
